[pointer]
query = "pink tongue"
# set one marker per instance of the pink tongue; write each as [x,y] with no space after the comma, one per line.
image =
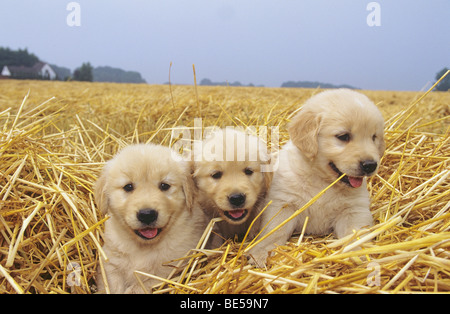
[149,233]
[355,181]
[236,213]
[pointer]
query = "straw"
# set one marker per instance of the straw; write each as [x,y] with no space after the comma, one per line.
[56,136]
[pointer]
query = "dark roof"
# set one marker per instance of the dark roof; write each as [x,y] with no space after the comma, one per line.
[24,71]
[38,66]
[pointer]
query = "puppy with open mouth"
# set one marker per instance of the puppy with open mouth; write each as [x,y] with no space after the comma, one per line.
[154,217]
[232,180]
[336,132]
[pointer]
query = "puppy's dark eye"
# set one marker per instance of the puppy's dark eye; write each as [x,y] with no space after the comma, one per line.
[374,137]
[248,171]
[344,137]
[217,175]
[128,187]
[164,186]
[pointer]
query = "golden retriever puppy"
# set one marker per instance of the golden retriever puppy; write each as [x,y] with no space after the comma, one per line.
[154,217]
[336,132]
[232,177]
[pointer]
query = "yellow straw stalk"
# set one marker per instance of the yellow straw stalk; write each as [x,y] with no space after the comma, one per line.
[55,138]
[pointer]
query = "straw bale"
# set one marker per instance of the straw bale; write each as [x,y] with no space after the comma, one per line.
[56,136]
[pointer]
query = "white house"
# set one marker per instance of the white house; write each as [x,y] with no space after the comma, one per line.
[40,70]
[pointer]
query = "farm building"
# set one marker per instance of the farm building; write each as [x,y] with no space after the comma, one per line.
[39,70]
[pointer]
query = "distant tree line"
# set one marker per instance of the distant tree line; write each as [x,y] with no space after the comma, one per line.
[86,72]
[109,74]
[208,82]
[443,85]
[17,58]
[105,74]
[308,84]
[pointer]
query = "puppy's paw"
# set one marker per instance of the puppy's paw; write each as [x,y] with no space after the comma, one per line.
[258,257]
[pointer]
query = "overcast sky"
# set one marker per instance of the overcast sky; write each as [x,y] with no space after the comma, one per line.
[251,41]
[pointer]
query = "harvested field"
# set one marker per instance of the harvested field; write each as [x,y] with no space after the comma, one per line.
[55,137]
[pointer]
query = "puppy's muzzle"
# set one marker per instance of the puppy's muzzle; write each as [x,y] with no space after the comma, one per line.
[147,216]
[237,214]
[237,200]
[368,166]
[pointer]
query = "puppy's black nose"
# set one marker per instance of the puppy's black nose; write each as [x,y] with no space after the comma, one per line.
[147,215]
[368,166]
[237,200]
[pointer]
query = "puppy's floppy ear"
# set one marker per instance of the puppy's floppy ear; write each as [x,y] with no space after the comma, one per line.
[189,187]
[267,179]
[381,146]
[304,131]
[267,171]
[100,195]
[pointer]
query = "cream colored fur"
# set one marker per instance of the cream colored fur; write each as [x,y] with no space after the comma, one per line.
[180,220]
[304,168]
[232,153]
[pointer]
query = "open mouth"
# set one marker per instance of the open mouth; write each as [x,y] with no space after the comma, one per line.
[236,215]
[354,182]
[148,233]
